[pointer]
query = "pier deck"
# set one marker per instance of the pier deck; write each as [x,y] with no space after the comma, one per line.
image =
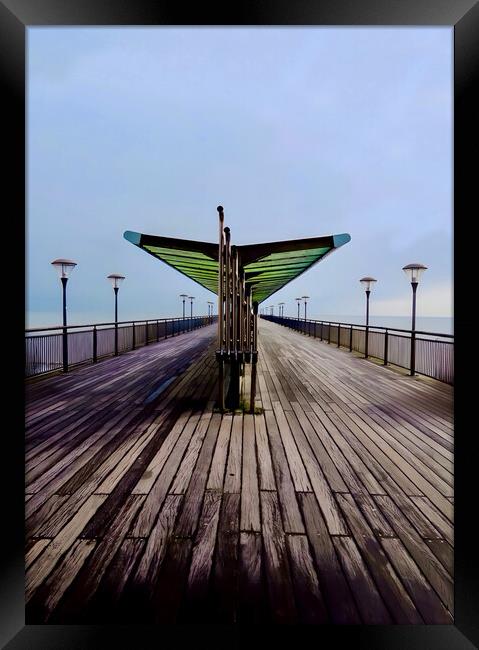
[335,504]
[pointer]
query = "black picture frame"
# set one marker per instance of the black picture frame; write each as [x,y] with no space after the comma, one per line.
[15,17]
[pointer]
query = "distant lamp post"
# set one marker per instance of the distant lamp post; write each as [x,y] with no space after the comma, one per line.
[367,283]
[281,309]
[210,309]
[183,296]
[191,305]
[305,298]
[116,280]
[64,268]
[298,300]
[413,273]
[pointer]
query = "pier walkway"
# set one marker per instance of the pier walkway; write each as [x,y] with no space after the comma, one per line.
[334,504]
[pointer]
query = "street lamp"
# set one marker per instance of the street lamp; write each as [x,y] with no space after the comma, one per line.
[183,296]
[367,283]
[210,309]
[191,305]
[298,300]
[281,309]
[116,280]
[305,298]
[413,273]
[64,268]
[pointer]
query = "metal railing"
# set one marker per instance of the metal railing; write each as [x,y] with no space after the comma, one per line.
[434,352]
[89,343]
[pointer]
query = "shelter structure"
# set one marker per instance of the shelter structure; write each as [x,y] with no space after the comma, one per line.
[242,277]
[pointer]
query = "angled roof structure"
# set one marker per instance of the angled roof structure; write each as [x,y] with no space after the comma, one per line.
[268,267]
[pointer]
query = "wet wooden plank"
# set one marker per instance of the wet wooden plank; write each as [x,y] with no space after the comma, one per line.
[218,464]
[233,468]
[370,604]
[280,587]
[265,465]
[339,601]
[310,602]
[250,513]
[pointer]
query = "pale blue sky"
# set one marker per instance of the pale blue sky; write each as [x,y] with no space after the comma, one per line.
[297,132]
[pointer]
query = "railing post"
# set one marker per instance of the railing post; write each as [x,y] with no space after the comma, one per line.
[94,344]
[146,333]
[339,335]
[133,340]
[65,348]
[386,338]
[157,331]
[166,328]
[315,324]
[321,330]
[351,339]
[329,333]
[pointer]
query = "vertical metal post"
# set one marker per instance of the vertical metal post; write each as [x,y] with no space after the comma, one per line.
[413,333]
[115,289]
[157,331]
[133,341]
[95,344]
[166,328]
[329,332]
[368,293]
[65,331]
[254,357]
[339,335]
[321,330]
[227,291]
[351,338]
[386,341]
[234,298]
[146,333]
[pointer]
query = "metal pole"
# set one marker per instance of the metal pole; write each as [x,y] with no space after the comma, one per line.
[94,344]
[183,309]
[413,333]
[115,289]
[351,338]
[65,331]
[133,342]
[254,357]
[339,335]
[368,293]
[386,341]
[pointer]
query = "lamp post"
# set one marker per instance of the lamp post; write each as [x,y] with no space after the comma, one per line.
[367,283]
[298,300]
[116,280]
[413,273]
[183,296]
[281,309]
[64,268]
[191,305]
[305,298]
[210,309]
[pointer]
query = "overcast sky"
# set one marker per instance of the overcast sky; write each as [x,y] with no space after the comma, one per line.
[297,132]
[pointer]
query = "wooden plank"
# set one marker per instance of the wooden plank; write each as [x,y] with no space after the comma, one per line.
[40,569]
[49,595]
[188,520]
[310,603]
[291,516]
[224,607]
[339,601]
[444,553]
[35,550]
[251,594]
[370,604]
[233,467]
[280,587]
[202,556]
[265,465]
[218,464]
[250,514]
[420,591]
[321,489]
[397,600]
[171,582]
[185,470]
[298,472]
[421,553]
[440,523]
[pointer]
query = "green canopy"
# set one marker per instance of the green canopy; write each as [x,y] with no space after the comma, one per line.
[268,267]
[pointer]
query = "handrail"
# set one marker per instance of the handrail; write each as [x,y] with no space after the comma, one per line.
[50,349]
[420,352]
[375,327]
[122,322]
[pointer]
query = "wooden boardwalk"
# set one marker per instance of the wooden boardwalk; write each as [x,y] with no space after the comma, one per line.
[333,505]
